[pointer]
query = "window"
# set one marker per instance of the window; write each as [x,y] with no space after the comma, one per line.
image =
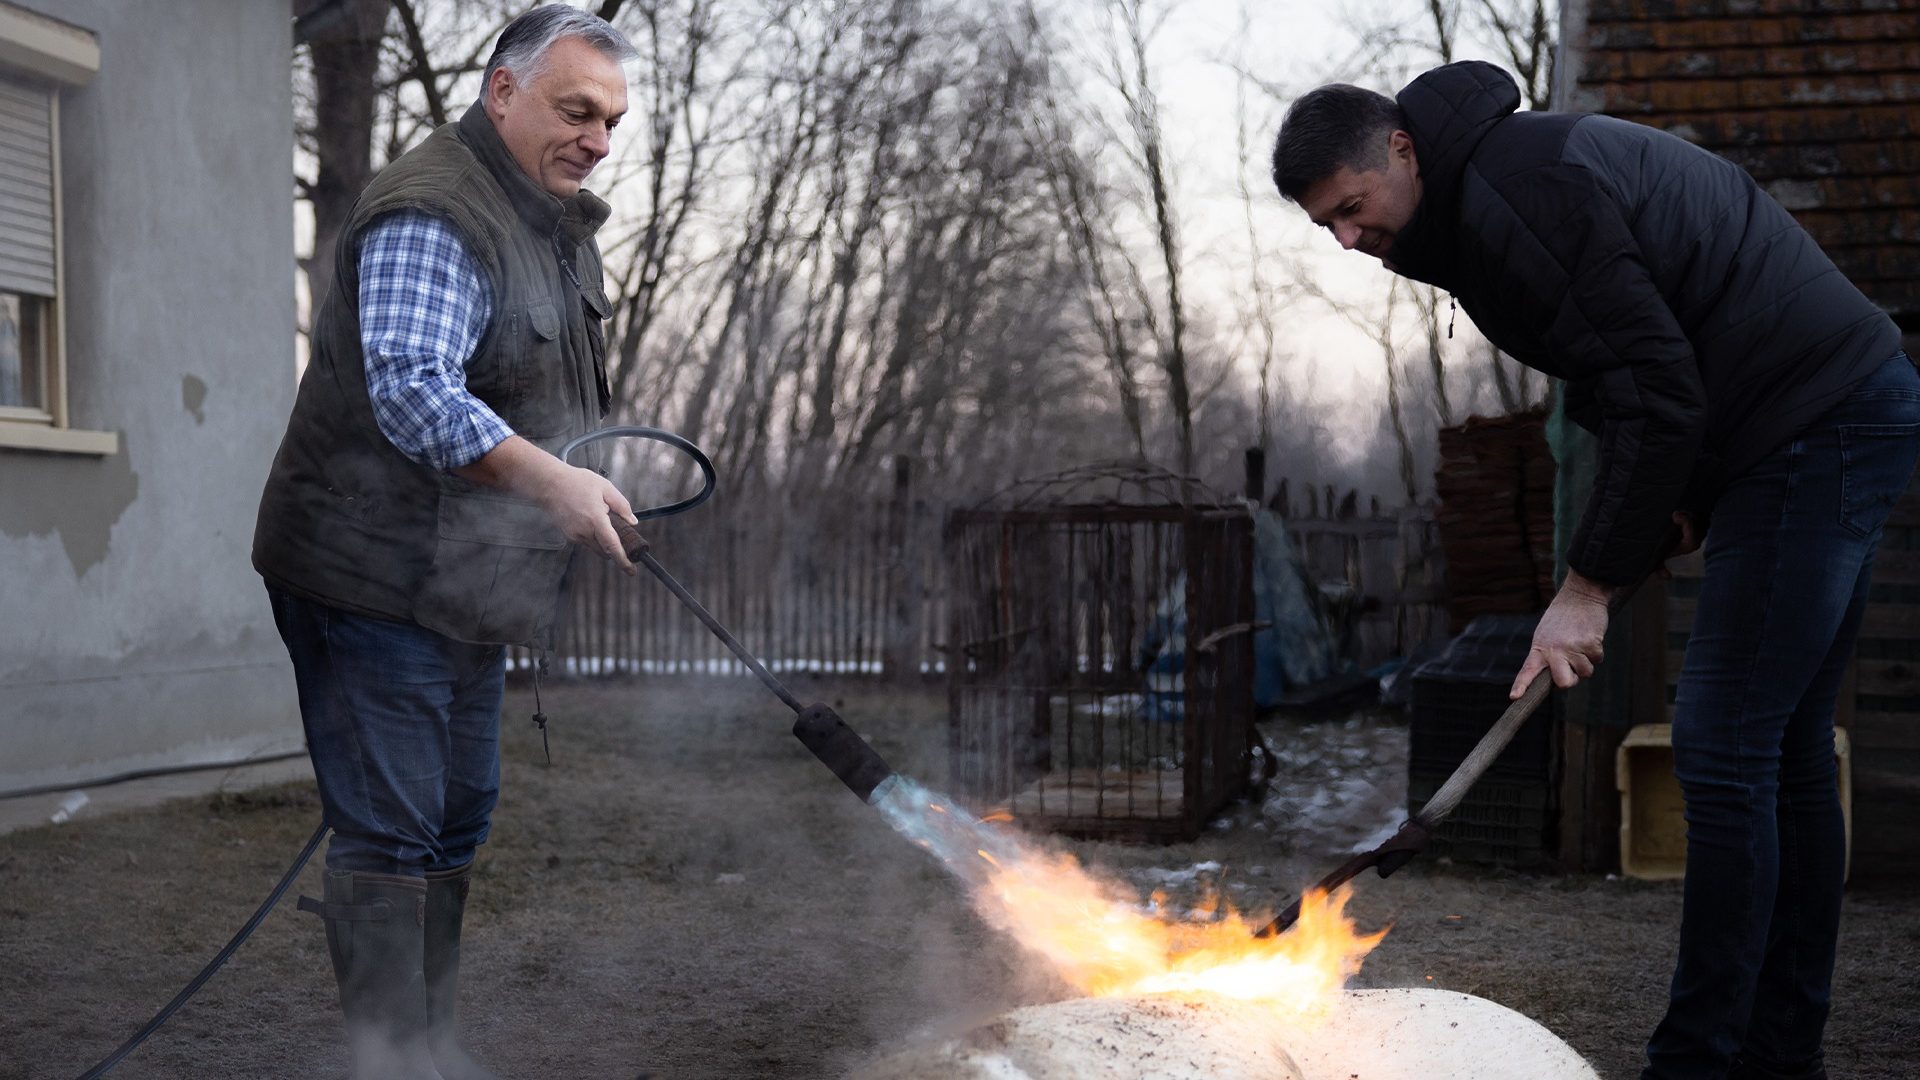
[23,354]
[27,269]
[39,58]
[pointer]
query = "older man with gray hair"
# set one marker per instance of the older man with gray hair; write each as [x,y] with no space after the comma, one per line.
[416,521]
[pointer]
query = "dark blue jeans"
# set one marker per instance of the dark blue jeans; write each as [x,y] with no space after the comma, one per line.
[1788,556]
[403,725]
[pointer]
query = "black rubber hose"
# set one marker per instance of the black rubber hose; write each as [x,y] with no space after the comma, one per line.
[319,834]
[179,999]
[656,435]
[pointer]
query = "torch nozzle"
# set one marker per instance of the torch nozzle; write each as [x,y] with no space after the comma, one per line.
[841,749]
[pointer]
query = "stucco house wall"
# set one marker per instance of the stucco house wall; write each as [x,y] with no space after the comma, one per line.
[134,634]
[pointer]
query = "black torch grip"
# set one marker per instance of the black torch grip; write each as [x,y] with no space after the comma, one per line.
[631,541]
[841,749]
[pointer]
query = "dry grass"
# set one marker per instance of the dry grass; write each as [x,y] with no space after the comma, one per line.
[605,941]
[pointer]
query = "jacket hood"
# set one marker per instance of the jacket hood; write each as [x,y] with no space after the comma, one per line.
[1449,110]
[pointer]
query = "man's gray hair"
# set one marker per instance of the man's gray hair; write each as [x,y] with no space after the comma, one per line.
[1334,127]
[522,48]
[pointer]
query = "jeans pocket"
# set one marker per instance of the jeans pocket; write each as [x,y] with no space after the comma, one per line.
[1876,461]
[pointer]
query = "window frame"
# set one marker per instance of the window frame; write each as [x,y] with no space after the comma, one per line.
[61,56]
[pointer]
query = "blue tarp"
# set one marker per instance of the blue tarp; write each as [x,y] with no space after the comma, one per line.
[1297,647]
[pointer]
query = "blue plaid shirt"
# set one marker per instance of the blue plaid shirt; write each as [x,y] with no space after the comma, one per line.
[424,305]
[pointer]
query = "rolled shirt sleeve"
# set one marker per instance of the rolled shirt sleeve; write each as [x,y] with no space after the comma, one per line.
[424,305]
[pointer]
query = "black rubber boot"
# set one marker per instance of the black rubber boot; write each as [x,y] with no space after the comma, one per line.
[376,927]
[446,908]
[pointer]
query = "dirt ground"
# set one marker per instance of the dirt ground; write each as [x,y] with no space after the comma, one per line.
[686,893]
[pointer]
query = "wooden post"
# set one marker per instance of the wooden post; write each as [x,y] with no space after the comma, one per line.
[901,660]
[1257,475]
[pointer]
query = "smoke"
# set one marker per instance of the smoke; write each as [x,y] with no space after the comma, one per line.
[952,969]
[378,1050]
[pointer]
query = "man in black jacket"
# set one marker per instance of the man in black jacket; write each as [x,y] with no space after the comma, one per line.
[1743,391]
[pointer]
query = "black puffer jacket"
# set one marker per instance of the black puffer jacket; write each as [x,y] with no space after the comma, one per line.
[1697,325]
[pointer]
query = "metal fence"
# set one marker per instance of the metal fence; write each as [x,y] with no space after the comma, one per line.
[856,585]
[1383,576]
[842,586]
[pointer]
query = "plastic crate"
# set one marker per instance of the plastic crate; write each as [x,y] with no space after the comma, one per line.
[1458,695]
[1514,824]
[1653,825]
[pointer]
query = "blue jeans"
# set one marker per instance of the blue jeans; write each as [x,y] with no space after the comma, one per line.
[403,726]
[1788,557]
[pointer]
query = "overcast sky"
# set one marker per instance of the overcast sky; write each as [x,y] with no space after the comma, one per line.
[1293,46]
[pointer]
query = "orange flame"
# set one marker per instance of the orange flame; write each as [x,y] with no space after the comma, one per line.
[1103,944]
[1100,940]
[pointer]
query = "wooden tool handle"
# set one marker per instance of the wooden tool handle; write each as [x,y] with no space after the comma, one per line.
[1413,835]
[631,541]
[1475,765]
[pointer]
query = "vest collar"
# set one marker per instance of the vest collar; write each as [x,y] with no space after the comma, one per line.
[573,220]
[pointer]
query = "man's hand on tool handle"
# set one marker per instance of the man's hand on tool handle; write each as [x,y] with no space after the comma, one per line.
[1571,637]
[576,499]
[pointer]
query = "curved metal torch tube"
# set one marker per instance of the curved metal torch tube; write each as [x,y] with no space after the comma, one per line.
[656,435]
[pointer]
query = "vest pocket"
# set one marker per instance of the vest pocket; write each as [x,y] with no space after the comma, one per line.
[543,395]
[496,571]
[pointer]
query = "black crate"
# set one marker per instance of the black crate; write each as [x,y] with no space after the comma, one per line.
[1512,824]
[1458,695]
[1443,731]
[1511,815]
[1490,650]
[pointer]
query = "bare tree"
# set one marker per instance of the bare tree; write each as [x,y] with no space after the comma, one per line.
[1526,32]
[1090,241]
[1133,78]
[842,232]
[678,115]
[1262,314]
[344,39]
[1427,300]
[1383,334]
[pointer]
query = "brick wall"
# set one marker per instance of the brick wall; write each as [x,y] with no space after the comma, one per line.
[1818,99]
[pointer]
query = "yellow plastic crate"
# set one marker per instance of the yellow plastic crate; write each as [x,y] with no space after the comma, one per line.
[1653,826]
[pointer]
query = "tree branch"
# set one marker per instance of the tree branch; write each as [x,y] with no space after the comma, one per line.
[421,70]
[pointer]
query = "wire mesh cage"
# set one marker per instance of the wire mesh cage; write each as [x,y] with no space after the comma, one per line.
[1100,652]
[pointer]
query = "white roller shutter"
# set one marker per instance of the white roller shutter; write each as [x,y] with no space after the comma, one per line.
[26,188]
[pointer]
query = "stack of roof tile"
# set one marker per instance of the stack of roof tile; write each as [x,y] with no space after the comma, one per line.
[1495,484]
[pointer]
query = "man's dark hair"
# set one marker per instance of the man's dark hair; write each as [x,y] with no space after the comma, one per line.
[1337,126]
